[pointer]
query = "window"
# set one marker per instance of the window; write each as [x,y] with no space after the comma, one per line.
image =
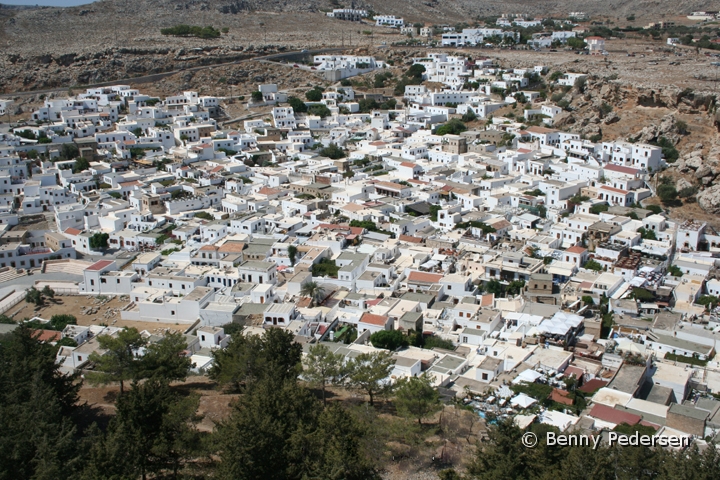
[484,376]
[202,337]
[172,312]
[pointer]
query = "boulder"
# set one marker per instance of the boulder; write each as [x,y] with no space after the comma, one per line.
[709,200]
[694,162]
[703,171]
[682,184]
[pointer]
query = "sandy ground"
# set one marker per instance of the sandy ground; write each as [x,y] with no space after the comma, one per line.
[90,310]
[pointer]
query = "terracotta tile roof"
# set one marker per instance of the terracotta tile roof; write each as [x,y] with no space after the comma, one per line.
[46,335]
[593,385]
[560,396]
[99,265]
[524,150]
[576,249]
[620,168]
[268,191]
[613,189]
[352,207]
[232,247]
[410,238]
[408,164]
[609,414]
[379,320]
[208,248]
[424,277]
[487,300]
[573,371]
[73,231]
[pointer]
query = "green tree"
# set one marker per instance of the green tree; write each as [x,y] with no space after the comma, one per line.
[99,241]
[165,359]
[292,253]
[647,234]
[81,164]
[667,193]
[313,290]
[38,407]
[415,397]
[389,339]
[642,295]
[588,300]
[34,296]
[495,287]
[576,43]
[338,448]
[297,105]
[314,95]
[370,372]
[454,127]
[709,301]
[269,432]
[153,433]
[257,97]
[332,151]
[119,360]
[593,265]
[322,367]
[48,292]
[249,358]
[416,70]
[60,321]
[515,287]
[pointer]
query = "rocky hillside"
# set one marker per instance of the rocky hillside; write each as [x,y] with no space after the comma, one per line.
[680,119]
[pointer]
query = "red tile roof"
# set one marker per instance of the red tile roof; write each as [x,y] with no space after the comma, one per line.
[560,396]
[268,191]
[576,249]
[409,238]
[379,320]
[73,231]
[609,414]
[593,385]
[99,265]
[613,189]
[621,169]
[46,335]
[424,277]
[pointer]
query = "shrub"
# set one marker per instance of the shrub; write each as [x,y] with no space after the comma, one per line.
[191,31]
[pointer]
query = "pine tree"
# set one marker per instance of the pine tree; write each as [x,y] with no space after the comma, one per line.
[370,372]
[322,367]
[415,397]
[117,360]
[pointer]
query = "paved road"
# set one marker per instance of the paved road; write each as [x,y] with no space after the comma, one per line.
[159,76]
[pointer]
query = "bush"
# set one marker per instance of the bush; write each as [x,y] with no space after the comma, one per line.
[453,127]
[433,341]
[389,339]
[257,97]
[297,105]
[599,208]
[667,193]
[191,31]
[593,265]
[333,151]
[314,95]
